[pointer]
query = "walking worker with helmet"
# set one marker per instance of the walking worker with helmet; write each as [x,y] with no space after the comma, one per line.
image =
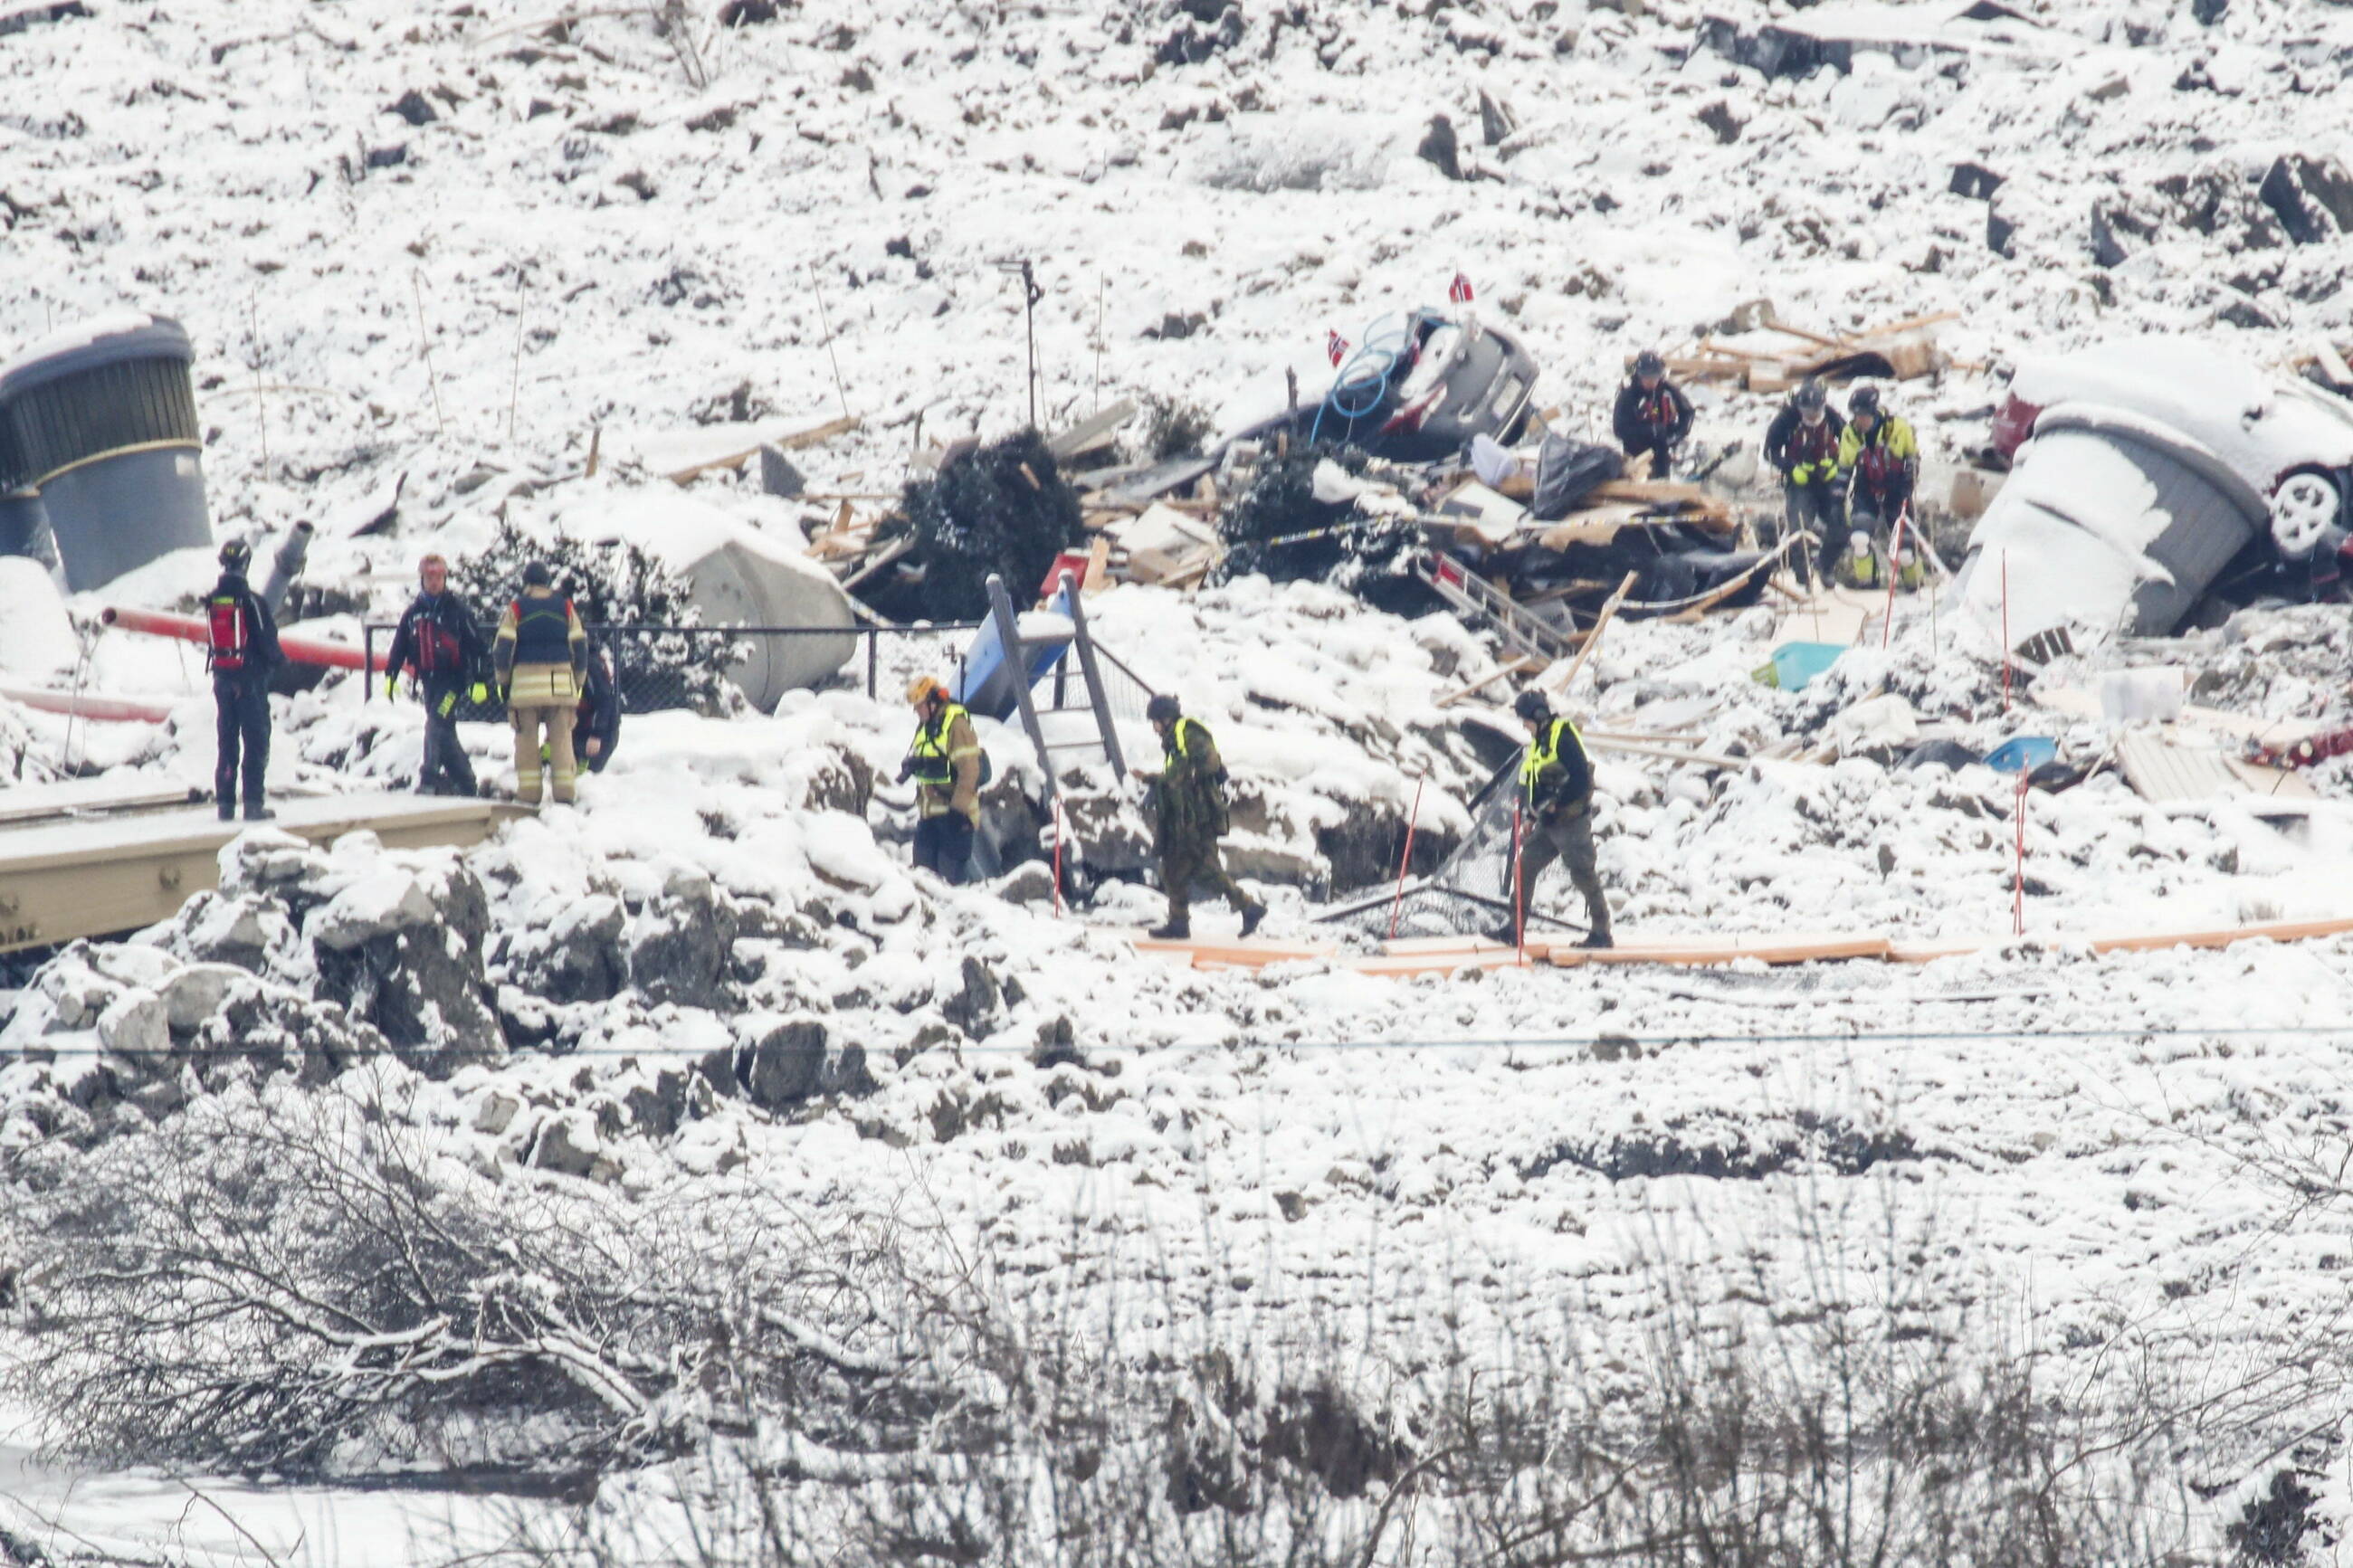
[242,655]
[1556,818]
[540,652]
[442,647]
[1188,798]
[1803,443]
[1652,414]
[948,766]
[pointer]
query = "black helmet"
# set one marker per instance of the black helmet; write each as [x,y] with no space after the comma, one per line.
[1650,362]
[537,576]
[1162,708]
[1532,705]
[1811,397]
[236,555]
[1864,401]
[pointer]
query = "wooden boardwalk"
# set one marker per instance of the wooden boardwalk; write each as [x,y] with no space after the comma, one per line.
[63,876]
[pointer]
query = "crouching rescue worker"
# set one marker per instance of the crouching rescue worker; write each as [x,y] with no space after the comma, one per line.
[243,653]
[944,761]
[439,644]
[1188,798]
[1556,817]
[540,651]
[597,723]
[1884,457]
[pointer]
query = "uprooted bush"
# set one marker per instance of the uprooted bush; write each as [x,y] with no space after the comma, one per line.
[296,1281]
[1281,529]
[612,583]
[1005,509]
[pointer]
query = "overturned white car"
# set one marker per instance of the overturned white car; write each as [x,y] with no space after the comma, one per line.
[2160,474]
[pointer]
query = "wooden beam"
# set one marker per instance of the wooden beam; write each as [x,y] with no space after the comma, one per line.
[1593,639]
[1513,666]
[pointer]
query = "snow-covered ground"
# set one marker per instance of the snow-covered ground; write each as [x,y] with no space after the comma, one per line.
[602,229]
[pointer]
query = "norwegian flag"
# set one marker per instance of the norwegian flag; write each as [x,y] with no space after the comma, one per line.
[1335,347]
[1460,289]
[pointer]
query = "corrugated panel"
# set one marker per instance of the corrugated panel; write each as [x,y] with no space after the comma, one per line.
[2158,769]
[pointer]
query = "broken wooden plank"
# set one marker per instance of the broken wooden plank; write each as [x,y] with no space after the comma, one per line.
[1513,666]
[1093,431]
[1593,640]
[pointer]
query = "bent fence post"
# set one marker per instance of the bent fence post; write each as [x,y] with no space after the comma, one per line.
[1092,675]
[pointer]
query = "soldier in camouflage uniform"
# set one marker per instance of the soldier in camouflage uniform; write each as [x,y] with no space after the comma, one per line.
[1188,798]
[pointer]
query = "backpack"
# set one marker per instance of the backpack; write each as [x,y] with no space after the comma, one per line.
[232,631]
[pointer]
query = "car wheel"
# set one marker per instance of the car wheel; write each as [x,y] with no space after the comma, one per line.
[2304,509]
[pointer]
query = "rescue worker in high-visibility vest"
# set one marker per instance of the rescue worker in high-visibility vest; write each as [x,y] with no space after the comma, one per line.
[1555,817]
[541,653]
[1882,457]
[438,643]
[1188,798]
[944,761]
[1653,415]
[243,652]
[1803,445]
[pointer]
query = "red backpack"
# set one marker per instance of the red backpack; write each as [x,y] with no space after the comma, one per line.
[232,632]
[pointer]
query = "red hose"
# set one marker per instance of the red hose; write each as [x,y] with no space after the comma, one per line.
[87,705]
[191,629]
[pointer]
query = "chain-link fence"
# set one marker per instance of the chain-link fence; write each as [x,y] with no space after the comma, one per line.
[1470,892]
[658,668]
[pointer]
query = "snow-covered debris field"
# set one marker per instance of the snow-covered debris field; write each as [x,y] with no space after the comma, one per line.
[450,242]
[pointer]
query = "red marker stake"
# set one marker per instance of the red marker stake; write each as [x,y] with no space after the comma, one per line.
[1405,860]
[1895,549]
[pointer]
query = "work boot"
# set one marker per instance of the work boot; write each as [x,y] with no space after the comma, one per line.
[1502,934]
[229,811]
[1251,915]
[1176,930]
[1596,938]
[256,812]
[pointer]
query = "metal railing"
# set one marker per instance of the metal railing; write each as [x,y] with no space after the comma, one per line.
[652,678]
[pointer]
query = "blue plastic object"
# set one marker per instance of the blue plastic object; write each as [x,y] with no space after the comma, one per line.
[1795,663]
[987,687]
[2021,755]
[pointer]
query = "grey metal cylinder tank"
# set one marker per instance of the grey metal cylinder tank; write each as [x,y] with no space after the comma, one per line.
[102,423]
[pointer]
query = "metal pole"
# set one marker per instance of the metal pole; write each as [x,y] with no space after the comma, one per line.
[1519,893]
[873,653]
[1084,640]
[1017,663]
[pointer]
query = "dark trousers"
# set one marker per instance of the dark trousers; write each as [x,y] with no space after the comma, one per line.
[1817,505]
[447,769]
[1185,860]
[1567,837]
[1878,509]
[1661,454]
[943,846]
[242,702]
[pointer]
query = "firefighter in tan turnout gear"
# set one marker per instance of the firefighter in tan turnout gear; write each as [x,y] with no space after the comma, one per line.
[540,652]
[945,760]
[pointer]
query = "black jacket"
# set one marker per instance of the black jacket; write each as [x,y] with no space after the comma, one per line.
[1784,429]
[1638,426]
[439,637]
[599,713]
[262,653]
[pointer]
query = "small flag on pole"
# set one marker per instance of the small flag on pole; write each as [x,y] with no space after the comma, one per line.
[1460,289]
[1335,346]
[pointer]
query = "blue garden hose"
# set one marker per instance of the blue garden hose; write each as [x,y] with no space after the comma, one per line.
[1362,383]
